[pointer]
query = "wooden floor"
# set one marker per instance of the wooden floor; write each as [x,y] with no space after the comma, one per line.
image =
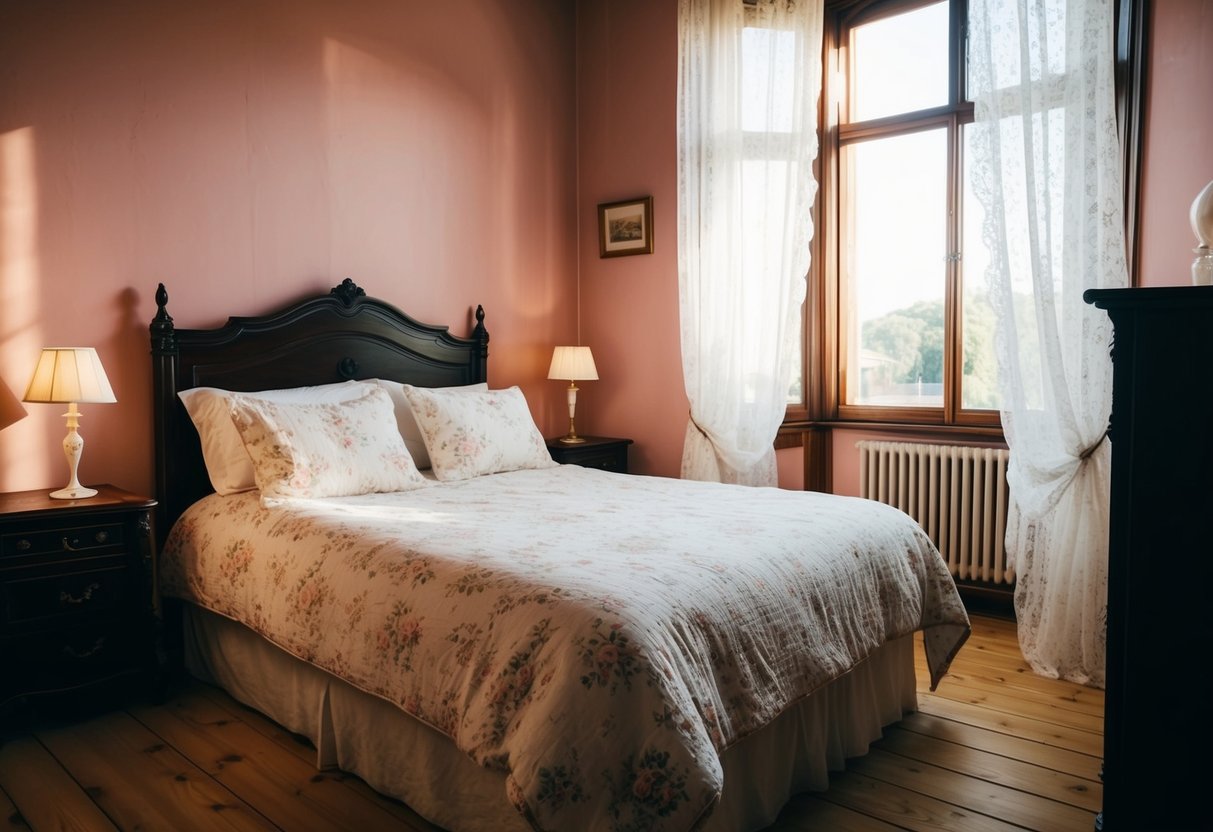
[995,748]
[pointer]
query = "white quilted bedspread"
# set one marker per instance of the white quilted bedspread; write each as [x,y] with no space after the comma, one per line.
[600,637]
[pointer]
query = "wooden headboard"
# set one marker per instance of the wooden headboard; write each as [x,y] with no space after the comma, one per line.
[335,337]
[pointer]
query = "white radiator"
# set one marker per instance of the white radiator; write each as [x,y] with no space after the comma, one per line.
[957,494]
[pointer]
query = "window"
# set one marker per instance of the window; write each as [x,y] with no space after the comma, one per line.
[897,326]
[904,260]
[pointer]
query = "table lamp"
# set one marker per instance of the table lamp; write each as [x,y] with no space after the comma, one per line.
[572,364]
[70,375]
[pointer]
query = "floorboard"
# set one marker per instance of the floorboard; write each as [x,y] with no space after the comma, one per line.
[995,748]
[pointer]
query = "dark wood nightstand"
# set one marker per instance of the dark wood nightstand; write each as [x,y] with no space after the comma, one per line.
[77,593]
[604,452]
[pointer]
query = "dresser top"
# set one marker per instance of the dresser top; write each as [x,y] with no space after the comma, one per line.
[33,503]
[1151,296]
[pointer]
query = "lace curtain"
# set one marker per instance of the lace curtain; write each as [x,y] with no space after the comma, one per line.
[1046,166]
[748,83]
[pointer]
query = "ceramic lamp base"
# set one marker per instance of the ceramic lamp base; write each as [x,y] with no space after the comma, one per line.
[73,447]
[78,492]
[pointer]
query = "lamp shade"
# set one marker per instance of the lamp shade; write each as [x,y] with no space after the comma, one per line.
[69,374]
[10,409]
[573,364]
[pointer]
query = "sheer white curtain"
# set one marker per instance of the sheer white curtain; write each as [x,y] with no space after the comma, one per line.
[1046,166]
[748,83]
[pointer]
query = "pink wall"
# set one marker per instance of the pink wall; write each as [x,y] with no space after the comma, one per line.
[627,53]
[250,152]
[1178,154]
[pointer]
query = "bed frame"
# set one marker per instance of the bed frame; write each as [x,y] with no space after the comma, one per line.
[331,338]
[347,335]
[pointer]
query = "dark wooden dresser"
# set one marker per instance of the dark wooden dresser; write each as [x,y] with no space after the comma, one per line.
[77,600]
[1158,724]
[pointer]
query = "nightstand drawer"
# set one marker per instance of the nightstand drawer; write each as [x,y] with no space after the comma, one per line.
[93,538]
[47,596]
[62,656]
[605,460]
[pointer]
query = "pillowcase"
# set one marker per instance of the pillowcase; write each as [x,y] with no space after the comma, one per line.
[210,409]
[413,440]
[325,450]
[472,433]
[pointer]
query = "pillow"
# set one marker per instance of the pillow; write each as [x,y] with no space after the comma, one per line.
[469,434]
[413,439]
[325,450]
[210,409]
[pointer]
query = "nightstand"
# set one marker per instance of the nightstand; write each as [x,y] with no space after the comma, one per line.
[77,593]
[603,452]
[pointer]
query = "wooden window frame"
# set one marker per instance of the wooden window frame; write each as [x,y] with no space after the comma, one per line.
[951,117]
[821,357]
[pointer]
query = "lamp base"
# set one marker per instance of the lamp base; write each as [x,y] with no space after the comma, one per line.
[571,440]
[78,492]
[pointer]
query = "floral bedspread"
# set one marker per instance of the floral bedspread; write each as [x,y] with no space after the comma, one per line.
[601,638]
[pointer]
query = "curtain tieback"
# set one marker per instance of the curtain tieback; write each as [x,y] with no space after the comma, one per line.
[1082,456]
[702,432]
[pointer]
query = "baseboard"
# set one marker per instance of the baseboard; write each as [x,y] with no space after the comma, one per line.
[984,599]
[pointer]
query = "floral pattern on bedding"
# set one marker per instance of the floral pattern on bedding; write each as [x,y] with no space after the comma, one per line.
[599,637]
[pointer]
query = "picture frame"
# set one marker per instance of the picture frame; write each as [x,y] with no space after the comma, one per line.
[625,227]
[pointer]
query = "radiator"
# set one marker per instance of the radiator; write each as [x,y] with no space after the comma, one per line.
[957,494]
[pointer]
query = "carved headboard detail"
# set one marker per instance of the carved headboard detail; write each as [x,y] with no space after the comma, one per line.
[335,337]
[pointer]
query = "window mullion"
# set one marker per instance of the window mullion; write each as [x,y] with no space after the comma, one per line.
[952,320]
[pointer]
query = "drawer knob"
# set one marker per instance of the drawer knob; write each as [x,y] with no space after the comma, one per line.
[23,545]
[101,536]
[72,652]
[68,598]
[71,545]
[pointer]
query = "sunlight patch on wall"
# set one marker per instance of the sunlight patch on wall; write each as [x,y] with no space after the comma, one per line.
[25,457]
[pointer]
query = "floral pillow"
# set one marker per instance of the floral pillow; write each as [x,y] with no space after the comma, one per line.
[210,409]
[413,440]
[469,434]
[325,450]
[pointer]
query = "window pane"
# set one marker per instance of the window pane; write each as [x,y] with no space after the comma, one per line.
[1033,263]
[1004,62]
[979,371]
[895,238]
[796,388]
[900,63]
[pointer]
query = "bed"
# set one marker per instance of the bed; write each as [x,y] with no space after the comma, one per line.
[500,641]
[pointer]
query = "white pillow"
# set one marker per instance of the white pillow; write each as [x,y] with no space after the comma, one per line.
[469,434]
[325,450]
[210,409]
[413,440]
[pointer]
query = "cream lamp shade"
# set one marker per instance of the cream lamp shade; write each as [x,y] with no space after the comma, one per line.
[70,375]
[572,364]
[11,410]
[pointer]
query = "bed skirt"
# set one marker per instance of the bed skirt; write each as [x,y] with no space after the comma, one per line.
[407,759]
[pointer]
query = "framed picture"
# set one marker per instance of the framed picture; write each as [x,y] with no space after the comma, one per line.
[625,227]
